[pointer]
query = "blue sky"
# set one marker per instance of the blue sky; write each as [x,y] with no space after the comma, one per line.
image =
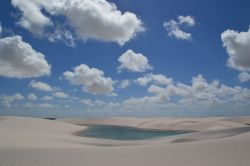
[124,58]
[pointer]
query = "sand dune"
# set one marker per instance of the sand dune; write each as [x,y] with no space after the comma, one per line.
[193,124]
[241,120]
[35,142]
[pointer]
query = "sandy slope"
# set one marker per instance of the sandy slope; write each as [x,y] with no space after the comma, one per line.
[33,142]
[194,124]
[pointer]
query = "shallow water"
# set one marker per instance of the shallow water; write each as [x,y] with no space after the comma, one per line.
[125,133]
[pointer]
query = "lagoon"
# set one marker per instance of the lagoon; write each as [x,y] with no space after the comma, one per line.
[125,133]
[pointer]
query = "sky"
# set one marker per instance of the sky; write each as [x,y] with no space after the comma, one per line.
[102,58]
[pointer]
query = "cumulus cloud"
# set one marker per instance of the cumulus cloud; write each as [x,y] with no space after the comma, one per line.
[46,98]
[45,105]
[146,101]
[90,19]
[41,106]
[32,96]
[174,28]
[200,95]
[244,77]
[92,79]
[61,95]
[1,29]
[7,100]
[87,102]
[188,20]
[159,96]
[134,62]
[40,86]
[100,105]
[237,46]
[153,78]
[19,60]
[124,84]
[62,34]
[32,17]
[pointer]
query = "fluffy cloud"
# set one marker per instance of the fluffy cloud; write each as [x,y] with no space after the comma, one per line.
[32,96]
[0,29]
[87,102]
[174,27]
[237,46]
[100,105]
[19,60]
[62,34]
[146,103]
[41,106]
[134,62]
[91,19]
[159,96]
[45,105]
[7,100]
[92,79]
[40,86]
[32,17]
[46,98]
[61,95]
[188,20]
[200,95]
[124,84]
[155,78]
[244,77]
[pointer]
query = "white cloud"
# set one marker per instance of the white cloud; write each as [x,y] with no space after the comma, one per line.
[124,84]
[154,89]
[60,95]
[45,105]
[91,19]
[244,77]
[87,102]
[100,19]
[7,100]
[1,29]
[135,103]
[188,20]
[40,86]
[19,60]
[134,62]
[237,46]
[159,96]
[62,34]
[32,17]
[99,102]
[96,105]
[153,78]
[143,81]
[161,79]
[92,79]
[199,96]
[41,106]
[174,28]
[28,105]
[47,98]
[32,96]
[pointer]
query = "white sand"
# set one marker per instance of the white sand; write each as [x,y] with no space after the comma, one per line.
[40,142]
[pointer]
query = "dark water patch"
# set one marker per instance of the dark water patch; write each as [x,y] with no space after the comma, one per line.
[50,118]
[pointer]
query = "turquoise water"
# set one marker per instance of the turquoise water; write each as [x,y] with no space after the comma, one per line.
[125,133]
